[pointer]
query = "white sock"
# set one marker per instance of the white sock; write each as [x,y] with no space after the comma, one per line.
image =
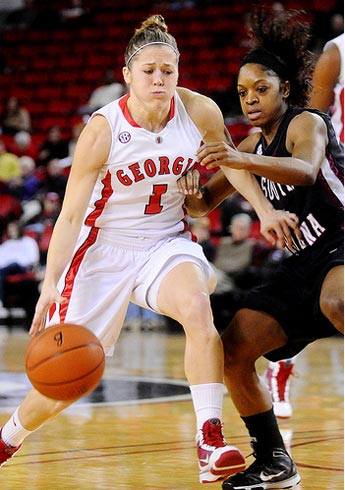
[207,401]
[13,433]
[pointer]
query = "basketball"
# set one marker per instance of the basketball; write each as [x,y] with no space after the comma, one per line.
[65,361]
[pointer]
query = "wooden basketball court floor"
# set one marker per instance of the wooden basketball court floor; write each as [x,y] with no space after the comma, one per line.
[137,430]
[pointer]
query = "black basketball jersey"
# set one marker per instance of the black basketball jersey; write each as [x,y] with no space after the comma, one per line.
[319,207]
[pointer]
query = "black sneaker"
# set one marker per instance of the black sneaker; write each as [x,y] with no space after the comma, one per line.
[279,471]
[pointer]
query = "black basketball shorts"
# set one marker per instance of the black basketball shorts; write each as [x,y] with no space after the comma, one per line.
[291,295]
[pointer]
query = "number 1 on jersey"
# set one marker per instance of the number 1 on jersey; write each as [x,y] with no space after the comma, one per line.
[155,206]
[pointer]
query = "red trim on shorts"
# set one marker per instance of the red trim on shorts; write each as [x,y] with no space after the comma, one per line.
[73,270]
[52,310]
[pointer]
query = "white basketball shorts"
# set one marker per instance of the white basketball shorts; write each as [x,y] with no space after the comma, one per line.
[107,271]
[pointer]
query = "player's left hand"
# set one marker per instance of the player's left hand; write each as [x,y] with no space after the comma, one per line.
[189,184]
[278,227]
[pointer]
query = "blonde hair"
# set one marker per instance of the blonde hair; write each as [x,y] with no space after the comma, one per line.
[152,31]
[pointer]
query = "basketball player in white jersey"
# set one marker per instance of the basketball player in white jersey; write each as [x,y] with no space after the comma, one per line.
[122,236]
[328,83]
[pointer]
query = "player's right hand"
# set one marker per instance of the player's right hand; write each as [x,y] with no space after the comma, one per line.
[49,296]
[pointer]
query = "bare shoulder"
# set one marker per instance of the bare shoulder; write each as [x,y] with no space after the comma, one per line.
[305,128]
[197,103]
[97,126]
[306,121]
[204,112]
[95,141]
[97,129]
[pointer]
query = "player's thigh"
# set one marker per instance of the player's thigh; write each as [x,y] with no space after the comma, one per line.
[184,291]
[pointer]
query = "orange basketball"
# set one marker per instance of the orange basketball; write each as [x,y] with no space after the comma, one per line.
[65,361]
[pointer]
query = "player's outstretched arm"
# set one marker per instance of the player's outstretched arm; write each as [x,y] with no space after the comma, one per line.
[91,152]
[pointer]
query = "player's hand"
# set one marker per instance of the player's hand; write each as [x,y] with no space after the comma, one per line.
[49,296]
[215,154]
[189,184]
[278,227]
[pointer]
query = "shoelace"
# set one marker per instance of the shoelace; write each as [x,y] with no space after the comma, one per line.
[213,436]
[10,450]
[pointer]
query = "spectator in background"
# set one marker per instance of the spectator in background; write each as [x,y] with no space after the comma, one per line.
[109,91]
[25,186]
[9,164]
[328,22]
[50,207]
[54,146]
[201,228]
[6,9]
[18,254]
[15,117]
[75,15]
[42,223]
[336,23]
[235,252]
[23,145]
[10,207]
[328,83]
[76,131]
[55,179]
[240,256]
[23,16]
[231,206]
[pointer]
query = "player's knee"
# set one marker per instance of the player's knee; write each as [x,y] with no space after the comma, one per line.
[195,312]
[333,309]
[239,342]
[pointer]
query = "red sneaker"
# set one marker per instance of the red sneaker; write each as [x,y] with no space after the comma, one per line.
[278,376]
[6,452]
[217,460]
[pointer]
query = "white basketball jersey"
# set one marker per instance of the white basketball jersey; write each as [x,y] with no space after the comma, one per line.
[136,193]
[337,110]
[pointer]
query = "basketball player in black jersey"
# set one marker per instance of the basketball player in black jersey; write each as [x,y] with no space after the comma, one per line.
[299,165]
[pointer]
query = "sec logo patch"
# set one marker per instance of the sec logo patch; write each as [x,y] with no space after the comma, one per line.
[124,137]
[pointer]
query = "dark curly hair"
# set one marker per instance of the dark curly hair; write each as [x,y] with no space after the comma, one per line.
[285,37]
